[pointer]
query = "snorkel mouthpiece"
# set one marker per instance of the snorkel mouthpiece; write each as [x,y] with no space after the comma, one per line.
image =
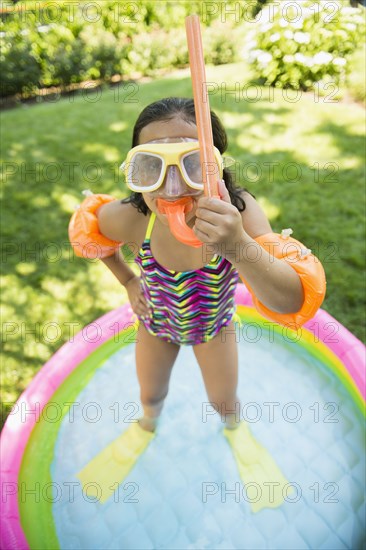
[175,212]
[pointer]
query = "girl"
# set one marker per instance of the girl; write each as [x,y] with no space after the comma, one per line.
[179,297]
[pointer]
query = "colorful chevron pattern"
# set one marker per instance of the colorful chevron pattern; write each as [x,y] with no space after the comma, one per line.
[188,307]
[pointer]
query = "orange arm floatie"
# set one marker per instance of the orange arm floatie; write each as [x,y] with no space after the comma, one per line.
[309,269]
[84,234]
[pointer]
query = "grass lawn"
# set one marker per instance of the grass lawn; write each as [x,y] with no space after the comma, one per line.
[301,157]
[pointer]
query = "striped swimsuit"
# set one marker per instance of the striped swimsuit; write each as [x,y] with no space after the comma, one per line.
[186,307]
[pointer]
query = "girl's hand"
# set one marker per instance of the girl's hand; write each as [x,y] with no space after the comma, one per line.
[218,221]
[136,297]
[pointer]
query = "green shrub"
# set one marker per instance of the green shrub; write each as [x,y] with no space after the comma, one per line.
[220,44]
[167,15]
[56,46]
[20,71]
[308,43]
[61,55]
[127,18]
[103,52]
[356,80]
[150,52]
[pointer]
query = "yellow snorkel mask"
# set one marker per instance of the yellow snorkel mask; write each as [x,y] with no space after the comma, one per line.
[177,165]
[148,165]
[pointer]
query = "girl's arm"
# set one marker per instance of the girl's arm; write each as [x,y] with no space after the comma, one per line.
[275,283]
[117,221]
[119,268]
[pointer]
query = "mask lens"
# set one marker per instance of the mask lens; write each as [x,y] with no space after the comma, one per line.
[145,169]
[192,167]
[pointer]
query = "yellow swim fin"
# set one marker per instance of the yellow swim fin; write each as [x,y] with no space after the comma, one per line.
[112,465]
[257,469]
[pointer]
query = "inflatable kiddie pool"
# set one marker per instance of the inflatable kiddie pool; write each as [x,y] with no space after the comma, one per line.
[302,394]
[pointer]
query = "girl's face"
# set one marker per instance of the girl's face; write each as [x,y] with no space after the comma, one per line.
[169,131]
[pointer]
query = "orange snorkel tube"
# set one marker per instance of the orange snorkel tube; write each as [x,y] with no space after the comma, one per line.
[175,210]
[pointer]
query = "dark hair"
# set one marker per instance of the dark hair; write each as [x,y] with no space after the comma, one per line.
[167,109]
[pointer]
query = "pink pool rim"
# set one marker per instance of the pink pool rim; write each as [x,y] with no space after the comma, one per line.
[15,436]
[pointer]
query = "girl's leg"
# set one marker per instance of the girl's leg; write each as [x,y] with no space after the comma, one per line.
[218,360]
[154,362]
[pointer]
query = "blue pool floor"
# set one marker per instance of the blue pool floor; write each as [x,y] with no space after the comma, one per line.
[185,492]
